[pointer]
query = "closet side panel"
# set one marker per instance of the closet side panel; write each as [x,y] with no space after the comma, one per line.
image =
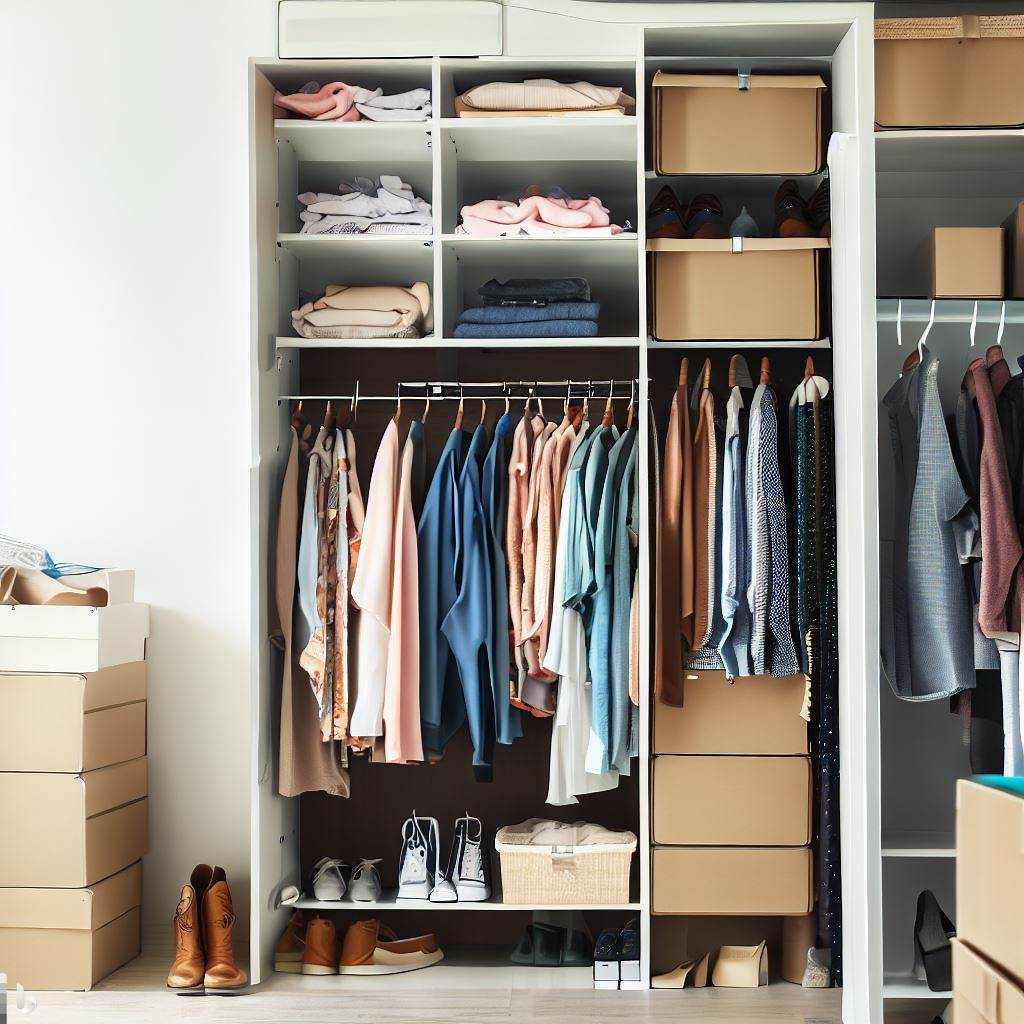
[851,170]
[273,819]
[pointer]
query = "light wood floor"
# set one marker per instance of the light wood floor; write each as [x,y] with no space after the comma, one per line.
[472,994]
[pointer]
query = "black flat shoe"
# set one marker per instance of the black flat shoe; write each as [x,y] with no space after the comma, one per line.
[932,932]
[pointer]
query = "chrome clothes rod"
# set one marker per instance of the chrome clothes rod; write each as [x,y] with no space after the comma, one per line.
[453,391]
[950,311]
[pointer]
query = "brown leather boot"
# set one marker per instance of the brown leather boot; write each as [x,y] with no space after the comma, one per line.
[291,945]
[189,962]
[321,953]
[218,923]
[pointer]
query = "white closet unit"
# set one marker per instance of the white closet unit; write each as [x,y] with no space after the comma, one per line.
[451,162]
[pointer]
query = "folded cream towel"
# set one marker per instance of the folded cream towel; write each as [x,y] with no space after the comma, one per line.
[543,94]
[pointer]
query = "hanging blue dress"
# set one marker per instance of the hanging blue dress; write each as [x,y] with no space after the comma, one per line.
[467,626]
[508,720]
[442,707]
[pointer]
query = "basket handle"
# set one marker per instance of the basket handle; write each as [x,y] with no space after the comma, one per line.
[563,858]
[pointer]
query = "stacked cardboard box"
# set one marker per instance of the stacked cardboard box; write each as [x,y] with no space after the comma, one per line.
[73,786]
[731,799]
[988,952]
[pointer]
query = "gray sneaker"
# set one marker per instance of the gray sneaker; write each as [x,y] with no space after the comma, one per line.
[364,885]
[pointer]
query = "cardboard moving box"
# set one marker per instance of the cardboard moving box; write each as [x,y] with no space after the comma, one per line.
[983,994]
[73,723]
[722,289]
[1014,238]
[748,715]
[949,72]
[68,831]
[715,123]
[968,263]
[731,880]
[731,801]
[990,874]
[70,938]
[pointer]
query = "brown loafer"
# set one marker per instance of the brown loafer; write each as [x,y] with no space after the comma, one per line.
[366,952]
[320,955]
[791,219]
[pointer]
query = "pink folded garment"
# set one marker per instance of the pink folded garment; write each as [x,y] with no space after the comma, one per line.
[538,215]
[333,102]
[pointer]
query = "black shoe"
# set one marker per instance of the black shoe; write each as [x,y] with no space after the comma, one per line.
[629,942]
[607,945]
[932,932]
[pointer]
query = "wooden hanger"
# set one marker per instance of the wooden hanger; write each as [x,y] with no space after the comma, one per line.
[707,375]
[398,407]
[329,416]
[809,368]
[766,370]
[732,372]
[631,409]
[483,410]
[684,376]
[426,409]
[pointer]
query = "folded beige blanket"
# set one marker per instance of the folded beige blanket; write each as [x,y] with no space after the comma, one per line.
[377,310]
[542,832]
[542,94]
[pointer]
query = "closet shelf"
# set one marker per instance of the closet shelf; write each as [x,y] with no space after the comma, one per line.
[952,150]
[389,901]
[653,343]
[950,311]
[326,245]
[906,986]
[475,344]
[625,236]
[918,844]
[351,141]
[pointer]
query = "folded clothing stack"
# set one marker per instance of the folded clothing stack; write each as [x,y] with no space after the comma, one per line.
[544,832]
[542,97]
[386,206]
[369,311]
[537,215]
[340,102]
[530,307]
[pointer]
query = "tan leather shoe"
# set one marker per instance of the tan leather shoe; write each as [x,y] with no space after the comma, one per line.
[291,945]
[321,953]
[365,952]
[189,961]
[218,924]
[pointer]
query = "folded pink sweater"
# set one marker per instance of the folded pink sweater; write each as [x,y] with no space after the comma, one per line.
[538,215]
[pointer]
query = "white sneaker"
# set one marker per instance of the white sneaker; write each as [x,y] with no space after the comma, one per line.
[419,868]
[364,885]
[468,874]
[328,881]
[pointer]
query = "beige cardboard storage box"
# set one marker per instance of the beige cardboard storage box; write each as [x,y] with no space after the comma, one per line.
[982,993]
[731,801]
[68,831]
[730,124]
[749,881]
[751,715]
[990,874]
[961,72]
[968,263]
[70,938]
[722,289]
[1014,239]
[73,723]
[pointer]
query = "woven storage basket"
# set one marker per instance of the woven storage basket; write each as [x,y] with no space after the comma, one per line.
[563,874]
[966,27]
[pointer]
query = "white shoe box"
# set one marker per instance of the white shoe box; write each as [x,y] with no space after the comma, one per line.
[606,974]
[629,975]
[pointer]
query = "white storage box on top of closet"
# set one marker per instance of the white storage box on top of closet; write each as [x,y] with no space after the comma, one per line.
[473,161]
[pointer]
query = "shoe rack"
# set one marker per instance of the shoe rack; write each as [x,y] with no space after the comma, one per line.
[452,162]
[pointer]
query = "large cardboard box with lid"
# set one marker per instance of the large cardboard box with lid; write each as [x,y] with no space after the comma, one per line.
[960,72]
[968,263]
[746,715]
[736,289]
[733,123]
[72,722]
[990,872]
[68,831]
[731,801]
[982,992]
[70,938]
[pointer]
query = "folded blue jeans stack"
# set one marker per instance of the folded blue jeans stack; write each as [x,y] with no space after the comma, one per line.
[531,308]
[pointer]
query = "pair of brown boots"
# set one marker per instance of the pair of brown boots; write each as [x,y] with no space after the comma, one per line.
[204,957]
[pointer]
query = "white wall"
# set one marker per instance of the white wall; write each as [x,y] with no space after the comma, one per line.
[125,366]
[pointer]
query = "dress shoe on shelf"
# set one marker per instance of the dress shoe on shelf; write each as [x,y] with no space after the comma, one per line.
[364,886]
[419,867]
[372,948]
[291,945]
[791,217]
[933,952]
[189,964]
[693,972]
[741,967]
[320,955]
[705,217]
[223,975]
[328,880]
[819,209]
[665,215]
